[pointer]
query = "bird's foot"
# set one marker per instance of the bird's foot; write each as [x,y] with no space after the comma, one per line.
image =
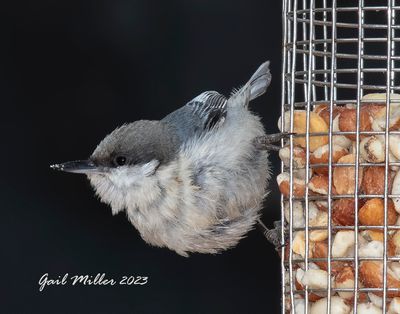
[273,235]
[265,142]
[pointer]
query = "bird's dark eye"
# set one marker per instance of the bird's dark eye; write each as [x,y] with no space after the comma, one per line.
[120,160]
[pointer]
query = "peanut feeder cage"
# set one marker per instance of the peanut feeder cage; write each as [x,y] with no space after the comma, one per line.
[340,179]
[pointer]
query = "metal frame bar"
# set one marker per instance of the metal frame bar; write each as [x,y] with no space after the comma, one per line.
[332,100]
[360,83]
[283,99]
[309,90]
[292,97]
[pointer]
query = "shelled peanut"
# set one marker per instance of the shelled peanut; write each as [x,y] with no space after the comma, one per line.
[370,203]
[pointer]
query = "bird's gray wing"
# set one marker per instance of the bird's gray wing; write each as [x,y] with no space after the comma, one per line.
[203,113]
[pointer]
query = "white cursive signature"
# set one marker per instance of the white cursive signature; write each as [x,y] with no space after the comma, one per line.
[100,279]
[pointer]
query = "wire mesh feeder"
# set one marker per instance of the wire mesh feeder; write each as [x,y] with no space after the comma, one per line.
[340,171]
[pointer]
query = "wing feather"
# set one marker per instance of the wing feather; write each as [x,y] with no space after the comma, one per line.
[202,114]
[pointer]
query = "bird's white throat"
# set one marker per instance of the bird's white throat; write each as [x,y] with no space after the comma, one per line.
[126,186]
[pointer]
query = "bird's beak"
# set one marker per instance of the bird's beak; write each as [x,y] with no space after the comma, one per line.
[77,166]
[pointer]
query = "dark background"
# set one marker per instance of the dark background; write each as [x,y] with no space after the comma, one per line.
[72,71]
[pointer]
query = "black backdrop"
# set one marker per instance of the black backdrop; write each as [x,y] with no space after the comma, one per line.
[70,72]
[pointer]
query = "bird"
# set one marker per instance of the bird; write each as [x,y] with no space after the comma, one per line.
[194,181]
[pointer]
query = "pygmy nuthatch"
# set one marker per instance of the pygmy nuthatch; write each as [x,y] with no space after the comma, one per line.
[193,181]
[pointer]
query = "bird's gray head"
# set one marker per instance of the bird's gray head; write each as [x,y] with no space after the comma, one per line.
[125,159]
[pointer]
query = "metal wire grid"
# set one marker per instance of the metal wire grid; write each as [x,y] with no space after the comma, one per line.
[336,51]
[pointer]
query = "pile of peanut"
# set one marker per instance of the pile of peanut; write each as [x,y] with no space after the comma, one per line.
[370,209]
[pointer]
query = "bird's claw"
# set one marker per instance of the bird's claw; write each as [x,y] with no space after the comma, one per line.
[272,235]
[265,142]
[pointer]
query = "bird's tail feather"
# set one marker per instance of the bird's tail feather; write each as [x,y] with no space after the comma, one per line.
[256,86]
[260,81]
